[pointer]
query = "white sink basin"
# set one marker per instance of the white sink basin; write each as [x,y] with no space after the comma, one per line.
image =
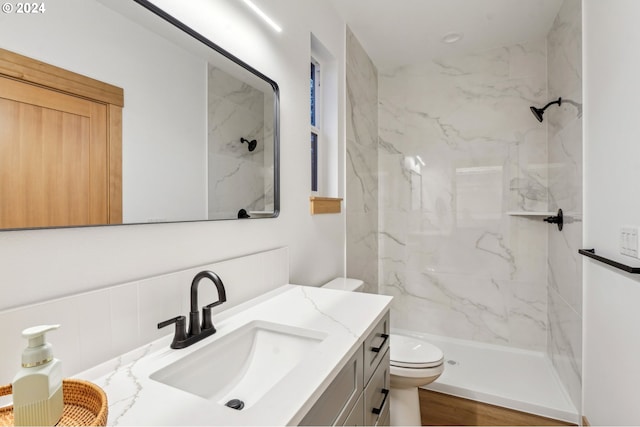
[244,364]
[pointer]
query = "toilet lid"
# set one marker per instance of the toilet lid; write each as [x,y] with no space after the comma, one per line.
[409,352]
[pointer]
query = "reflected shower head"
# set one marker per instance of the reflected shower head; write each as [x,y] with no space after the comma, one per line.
[538,112]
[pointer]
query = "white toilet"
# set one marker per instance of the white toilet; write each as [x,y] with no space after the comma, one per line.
[414,363]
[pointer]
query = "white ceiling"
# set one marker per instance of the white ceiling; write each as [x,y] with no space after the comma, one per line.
[401,32]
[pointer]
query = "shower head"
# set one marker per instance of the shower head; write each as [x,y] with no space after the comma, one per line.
[252,144]
[538,112]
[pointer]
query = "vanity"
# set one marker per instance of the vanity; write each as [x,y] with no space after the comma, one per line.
[358,395]
[295,355]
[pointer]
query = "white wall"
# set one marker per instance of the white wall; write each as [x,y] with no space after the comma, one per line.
[42,264]
[612,199]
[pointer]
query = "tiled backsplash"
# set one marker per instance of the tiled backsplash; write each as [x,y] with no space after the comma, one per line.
[99,325]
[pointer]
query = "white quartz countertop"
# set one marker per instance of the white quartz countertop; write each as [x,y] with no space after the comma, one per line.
[345,317]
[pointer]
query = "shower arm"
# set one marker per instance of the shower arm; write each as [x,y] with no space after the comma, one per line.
[557,101]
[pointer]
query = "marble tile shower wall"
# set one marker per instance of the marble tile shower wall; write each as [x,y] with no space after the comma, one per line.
[237,110]
[458,149]
[362,165]
[564,44]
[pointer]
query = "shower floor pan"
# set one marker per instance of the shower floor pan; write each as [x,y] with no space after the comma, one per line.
[512,378]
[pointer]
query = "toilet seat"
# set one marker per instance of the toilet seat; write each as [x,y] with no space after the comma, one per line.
[412,353]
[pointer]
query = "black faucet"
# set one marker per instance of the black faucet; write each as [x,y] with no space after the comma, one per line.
[197,331]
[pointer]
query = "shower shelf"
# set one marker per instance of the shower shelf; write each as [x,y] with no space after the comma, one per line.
[591,253]
[530,213]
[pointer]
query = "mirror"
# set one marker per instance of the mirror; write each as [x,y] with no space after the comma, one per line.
[199,126]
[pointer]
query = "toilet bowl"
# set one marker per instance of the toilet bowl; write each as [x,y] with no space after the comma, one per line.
[414,363]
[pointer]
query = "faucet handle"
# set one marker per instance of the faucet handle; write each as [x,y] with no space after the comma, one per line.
[206,315]
[213,304]
[206,310]
[206,319]
[180,334]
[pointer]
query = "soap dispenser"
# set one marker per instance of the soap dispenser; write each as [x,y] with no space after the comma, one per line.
[37,387]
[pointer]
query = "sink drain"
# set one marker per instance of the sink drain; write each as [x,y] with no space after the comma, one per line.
[452,362]
[235,404]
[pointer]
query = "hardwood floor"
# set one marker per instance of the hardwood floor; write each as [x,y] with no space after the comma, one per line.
[438,409]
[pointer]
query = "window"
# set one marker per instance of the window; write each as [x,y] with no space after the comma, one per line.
[314,162]
[324,110]
[314,92]
[315,122]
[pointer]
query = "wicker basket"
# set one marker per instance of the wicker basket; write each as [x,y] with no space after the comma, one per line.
[85,404]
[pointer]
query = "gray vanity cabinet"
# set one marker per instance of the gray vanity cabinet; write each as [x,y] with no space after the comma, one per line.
[375,346]
[376,394]
[358,396]
[356,416]
[335,404]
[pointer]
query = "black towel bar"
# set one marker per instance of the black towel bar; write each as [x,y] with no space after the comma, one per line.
[591,253]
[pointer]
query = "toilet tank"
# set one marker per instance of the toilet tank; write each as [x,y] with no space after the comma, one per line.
[345,284]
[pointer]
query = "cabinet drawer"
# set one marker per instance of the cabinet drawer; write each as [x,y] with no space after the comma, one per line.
[375,345]
[339,398]
[356,417]
[376,395]
[385,420]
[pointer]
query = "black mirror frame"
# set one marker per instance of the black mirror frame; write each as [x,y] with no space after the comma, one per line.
[276,98]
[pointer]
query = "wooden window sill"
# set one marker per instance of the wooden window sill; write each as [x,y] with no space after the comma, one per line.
[325,205]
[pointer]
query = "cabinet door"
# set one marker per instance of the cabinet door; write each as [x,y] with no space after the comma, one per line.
[375,345]
[385,420]
[356,417]
[376,395]
[336,402]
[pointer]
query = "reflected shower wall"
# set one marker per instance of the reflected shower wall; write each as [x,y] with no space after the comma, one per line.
[237,110]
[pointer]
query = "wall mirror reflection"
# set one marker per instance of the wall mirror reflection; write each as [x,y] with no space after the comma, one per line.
[165,127]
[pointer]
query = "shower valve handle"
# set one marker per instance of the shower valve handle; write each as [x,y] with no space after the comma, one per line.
[558,219]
